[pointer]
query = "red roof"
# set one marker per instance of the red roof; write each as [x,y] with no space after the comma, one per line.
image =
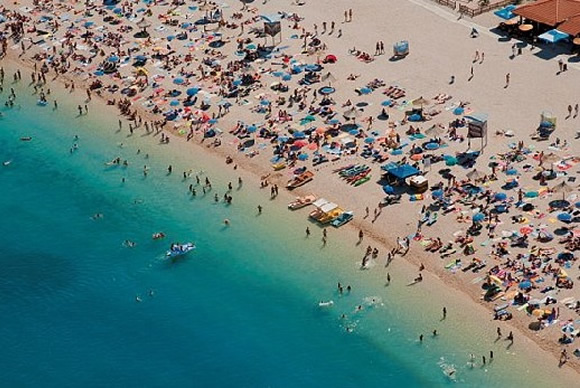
[550,12]
[571,26]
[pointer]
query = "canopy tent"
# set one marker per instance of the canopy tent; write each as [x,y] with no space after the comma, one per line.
[550,12]
[402,172]
[553,36]
[479,117]
[506,12]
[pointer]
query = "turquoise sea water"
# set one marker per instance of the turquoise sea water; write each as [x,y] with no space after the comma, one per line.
[241,310]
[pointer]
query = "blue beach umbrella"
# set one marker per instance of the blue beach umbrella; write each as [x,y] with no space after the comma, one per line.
[299,135]
[286,77]
[334,122]
[370,140]
[415,117]
[141,58]
[353,132]
[525,284]
[303,157]
[113,58]
[458,111]
[565,217]
[531,194]
[174,103]
[213,121]
[99,73]
[478,217]
[265,102]
[577,204]
[117,10]
[437,194]
[387,103]
[283,139]
[88,24]
[179,81]
[252,128]
[500,196]
[365,90]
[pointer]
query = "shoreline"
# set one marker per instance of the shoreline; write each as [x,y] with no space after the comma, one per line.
[416,256]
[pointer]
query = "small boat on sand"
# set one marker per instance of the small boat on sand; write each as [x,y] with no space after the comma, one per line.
[301,202]
[179,249]
[300,180]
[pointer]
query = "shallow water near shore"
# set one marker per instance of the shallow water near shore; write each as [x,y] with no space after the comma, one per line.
[242,309]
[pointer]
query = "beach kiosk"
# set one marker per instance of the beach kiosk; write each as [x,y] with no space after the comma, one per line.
[397,175]
[401,49]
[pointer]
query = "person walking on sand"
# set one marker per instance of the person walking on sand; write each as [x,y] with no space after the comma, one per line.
[507,80]
[444,312]
[307,231]
[259,209]
[510,337]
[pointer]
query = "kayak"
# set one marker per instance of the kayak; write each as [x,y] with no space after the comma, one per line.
[179,249]
[363,180]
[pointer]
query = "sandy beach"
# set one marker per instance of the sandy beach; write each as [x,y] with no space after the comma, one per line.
[440,48]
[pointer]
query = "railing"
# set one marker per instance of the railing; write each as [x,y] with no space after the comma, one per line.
[472,12]
[448,3]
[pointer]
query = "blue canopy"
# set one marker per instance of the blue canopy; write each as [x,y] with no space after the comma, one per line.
[553,36]
[506,13]
[403,172]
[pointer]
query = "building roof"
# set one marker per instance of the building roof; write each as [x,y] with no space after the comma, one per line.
[571,26]
[550,12]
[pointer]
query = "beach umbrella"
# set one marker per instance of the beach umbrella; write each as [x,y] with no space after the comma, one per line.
[252,129]
[458,111]
[369,140]
[286,77]
[553,36]
[387,103]
[415,117]
[192,91]
[565,217]
[178,81]
[88,24]
[352,113]
[506,12]
[551,158]
[525,284]
[420,102]
[474,175]
[577,204]
[525,230]
[334,122]
[264,102]
[478,217]
[174,103]
[562,187]
[299,135]
[303,157]
[328,77]
[365,90]
[500,196]
[435,130]
[353,132]
[388,189]
[113,58]
[437,194]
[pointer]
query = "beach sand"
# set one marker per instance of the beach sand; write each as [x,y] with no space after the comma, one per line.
[440,47]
